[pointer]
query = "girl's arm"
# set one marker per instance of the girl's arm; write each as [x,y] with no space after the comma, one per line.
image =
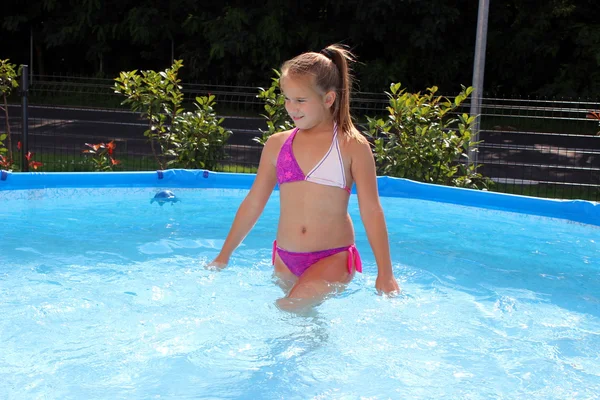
[371,213]
[252,206]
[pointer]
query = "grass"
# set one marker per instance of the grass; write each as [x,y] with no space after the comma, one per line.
[552,191]
[82,163]
[244,169]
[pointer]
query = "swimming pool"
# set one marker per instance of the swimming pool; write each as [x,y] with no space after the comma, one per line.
[102,295]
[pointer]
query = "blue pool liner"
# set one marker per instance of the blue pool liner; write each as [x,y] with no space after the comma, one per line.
[582,211]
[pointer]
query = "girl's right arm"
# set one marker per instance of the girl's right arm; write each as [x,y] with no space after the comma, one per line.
[254,203]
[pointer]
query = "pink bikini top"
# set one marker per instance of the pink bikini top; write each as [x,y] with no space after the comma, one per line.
[329,171]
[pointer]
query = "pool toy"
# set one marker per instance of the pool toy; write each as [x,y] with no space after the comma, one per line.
[165,196]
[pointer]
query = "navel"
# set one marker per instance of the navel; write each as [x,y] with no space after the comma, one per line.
[303,230]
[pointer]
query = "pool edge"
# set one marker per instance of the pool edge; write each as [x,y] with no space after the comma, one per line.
[582,211]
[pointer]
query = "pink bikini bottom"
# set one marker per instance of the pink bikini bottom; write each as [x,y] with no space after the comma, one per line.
[300,262]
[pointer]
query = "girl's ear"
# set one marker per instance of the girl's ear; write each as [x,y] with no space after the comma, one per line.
[330,98]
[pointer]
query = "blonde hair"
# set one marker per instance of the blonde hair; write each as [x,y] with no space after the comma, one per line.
[331,70]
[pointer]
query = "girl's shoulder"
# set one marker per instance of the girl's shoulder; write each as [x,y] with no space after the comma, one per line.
[276,140]
[283,135]
[355,141]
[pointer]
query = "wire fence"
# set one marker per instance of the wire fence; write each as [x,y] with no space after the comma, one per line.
[534,147]
[541,147]
[232,99]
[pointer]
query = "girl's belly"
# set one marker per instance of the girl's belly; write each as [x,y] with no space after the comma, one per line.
[319,232]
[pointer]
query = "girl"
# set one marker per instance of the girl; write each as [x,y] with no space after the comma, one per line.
[315,165]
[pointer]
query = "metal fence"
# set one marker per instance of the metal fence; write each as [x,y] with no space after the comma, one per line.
[543,148]
[535,147]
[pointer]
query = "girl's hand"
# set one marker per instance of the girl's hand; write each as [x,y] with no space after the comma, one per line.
[215,265]
[386,284]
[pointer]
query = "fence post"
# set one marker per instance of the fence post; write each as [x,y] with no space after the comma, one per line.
[478,69]
[24,118]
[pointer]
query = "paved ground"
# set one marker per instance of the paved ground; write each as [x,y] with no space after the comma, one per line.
[507,155]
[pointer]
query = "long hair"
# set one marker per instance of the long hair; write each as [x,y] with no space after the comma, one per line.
[331,70]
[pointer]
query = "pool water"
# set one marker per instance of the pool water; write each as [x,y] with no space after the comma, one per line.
[103,296]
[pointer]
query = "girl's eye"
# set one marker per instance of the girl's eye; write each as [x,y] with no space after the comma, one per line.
[297,100]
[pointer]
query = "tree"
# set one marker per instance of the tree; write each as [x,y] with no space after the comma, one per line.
[534,48]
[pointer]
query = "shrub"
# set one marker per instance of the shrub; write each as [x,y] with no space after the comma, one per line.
[200,139]
[193,139]
[9,80]
[424,139]
[275,113]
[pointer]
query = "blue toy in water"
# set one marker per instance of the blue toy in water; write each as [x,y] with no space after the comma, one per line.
[165,196]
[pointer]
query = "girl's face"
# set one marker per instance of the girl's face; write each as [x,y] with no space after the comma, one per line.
[304,102]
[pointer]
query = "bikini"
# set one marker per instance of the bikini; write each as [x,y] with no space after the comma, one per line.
[330,172]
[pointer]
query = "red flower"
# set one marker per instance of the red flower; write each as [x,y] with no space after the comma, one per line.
[111,147]
[19,145]
[114,162]
[95,146]
[593,115]
[28,155]
[5,162]
[35,164]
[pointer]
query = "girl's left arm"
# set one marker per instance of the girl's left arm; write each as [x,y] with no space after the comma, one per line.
[371,213]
